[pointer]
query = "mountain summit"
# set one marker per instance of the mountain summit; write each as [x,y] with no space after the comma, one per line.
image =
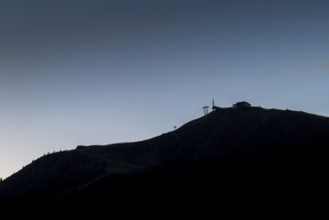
[229,154]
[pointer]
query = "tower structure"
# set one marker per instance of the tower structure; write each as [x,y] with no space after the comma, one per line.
[205,109]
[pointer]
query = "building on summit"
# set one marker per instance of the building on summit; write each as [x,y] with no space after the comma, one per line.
[238,105]
[242,104]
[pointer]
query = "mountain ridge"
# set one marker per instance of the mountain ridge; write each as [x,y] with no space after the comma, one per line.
[222,148]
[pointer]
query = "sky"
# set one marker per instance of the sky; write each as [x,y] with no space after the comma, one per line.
[78,72]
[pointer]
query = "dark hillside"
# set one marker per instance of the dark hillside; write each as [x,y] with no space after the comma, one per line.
[229,154]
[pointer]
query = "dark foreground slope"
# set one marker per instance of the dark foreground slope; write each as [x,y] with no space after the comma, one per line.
[230,155]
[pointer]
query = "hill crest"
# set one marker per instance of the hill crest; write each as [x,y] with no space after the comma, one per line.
[229,141]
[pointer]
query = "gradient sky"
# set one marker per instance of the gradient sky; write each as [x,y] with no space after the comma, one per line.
[78,72]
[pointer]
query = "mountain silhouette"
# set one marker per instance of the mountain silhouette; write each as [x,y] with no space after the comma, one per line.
[229,155]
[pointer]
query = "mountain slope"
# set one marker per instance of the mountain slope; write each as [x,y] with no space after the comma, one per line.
[229,152]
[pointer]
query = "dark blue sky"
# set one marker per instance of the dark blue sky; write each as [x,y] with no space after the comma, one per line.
[102,71]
